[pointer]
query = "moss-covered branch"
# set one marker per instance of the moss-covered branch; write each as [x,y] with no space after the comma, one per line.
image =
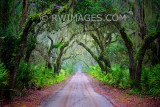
[58,44]
[135,61]
[140,54]
[51,46]
[93,55]
[57,63]
[95,39]
[73,55]
[129,45]
[65,51]
[49,53]
[32,18]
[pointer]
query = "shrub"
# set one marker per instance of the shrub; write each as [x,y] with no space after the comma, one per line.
[24,75]
[116,75]
[30,76]
[68,69]
[150,79]
[3,78]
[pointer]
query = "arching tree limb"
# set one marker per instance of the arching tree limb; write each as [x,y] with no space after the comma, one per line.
[129,45]
[57,63]
[93,55]
[23,41]
[135,62]
[49,53]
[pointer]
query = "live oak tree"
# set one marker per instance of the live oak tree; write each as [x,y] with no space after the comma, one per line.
[26,23]
[136,58]
[29,21]
[101,41]
[57,64]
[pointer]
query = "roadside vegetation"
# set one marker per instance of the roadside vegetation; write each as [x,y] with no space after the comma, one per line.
[30,76]
[119,77]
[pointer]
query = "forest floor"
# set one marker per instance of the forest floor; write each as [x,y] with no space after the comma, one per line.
[121,97]
[117,97]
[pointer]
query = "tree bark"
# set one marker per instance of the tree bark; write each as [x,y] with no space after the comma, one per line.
[147,41]
[57,64]
[28,54]
[24,14]
[129,46]
[49,53]
[24,42]
[136,68]
[20,52]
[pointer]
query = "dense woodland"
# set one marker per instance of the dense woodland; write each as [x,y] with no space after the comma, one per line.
[124,51]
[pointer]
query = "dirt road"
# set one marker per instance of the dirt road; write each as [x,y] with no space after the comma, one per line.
[76,93]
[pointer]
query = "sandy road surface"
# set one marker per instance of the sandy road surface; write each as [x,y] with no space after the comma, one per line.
[76,93]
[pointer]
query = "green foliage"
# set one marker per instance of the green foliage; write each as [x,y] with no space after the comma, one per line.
[61,76]
[42,76]
[69,69]
[24,75]
[31,42]
[42,5]
[150,80]
[97,73]
[9,24]
[92,7]
[8,51]
[135,91]
[117,53]
[57,45]
[116,75]
[120,76]
[3,78]
[31,76]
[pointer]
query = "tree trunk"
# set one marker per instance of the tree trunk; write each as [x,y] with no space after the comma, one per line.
[28,54]
[57,64]
[148,40]
[24,14]
[22,46]
[49,53]
[129,46]
[20,52]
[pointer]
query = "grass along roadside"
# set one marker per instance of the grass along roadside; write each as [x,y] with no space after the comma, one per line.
[33,98]
[119,78]
[122,96]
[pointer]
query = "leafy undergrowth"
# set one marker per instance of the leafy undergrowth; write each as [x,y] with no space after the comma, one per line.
[122,97]
[33,98]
